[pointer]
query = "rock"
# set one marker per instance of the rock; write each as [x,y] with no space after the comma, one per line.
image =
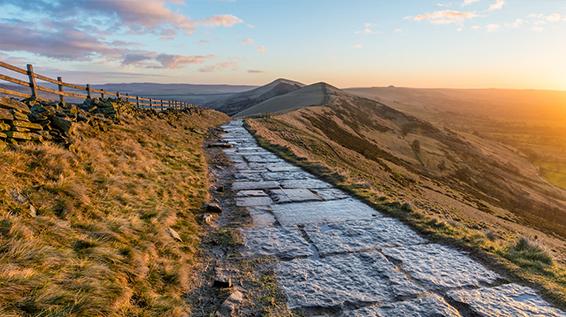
[321,212]
[208,219]
[441,267]
[359,235]
[253,201]
[220,188]
[4,127]
[286,243]
[213,208]
[222,278]
[20,116]
[229,307]
[8,103]
[175,235]
[430,305]
[3,144]
[343,279]
[505,300]
[62,124]
[27,125]
[282,196]
[18,135]
[254,185]
[5,114]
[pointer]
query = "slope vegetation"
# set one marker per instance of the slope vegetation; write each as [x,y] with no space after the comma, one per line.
[454,185]
[92,230]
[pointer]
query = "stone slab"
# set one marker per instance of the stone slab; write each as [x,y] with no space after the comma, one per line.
[253,201]
[505,300]
[430,305]
[306,183]
[282,167]
[441,267]
[254,177]
[286,243]
[292,175]
[322,212]
[330,193]
[251,193]
[254,185]
[282,196]
[262,216]
[359,235]
[333,281]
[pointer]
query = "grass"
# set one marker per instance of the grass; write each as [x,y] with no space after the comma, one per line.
[523,259]
[99,243]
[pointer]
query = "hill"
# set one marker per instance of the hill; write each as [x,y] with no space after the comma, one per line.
[238,102]
[532,121]
[455,185]
[312,95]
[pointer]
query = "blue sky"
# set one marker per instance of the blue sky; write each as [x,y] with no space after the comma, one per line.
[416,43]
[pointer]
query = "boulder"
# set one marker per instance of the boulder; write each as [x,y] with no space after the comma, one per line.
[213,208]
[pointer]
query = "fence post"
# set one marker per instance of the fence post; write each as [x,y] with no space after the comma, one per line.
[101,93]
[137,102]
[88,91]
[32,81]
[150,103]
[60,87]
[117,95]
[162,106]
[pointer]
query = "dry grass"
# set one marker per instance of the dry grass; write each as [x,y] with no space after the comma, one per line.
[100,245]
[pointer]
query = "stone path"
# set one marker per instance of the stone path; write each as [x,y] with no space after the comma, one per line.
[339,257]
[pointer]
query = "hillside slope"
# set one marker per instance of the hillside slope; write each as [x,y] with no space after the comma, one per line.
[469,188]
[311,95]
[235,103]
[87,230]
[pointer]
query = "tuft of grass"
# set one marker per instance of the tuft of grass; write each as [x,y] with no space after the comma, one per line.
[527,253]
[98,244]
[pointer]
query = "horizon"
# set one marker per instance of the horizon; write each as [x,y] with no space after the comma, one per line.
[463,44]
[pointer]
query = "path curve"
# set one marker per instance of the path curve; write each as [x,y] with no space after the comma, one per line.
[340,257]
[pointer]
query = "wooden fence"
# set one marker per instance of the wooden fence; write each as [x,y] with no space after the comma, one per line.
[35,88]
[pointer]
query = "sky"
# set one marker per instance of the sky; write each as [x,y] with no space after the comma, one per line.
[355,43]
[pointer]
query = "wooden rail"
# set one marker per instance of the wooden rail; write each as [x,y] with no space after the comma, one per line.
[35,88]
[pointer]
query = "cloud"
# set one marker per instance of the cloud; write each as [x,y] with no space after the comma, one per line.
[445,16]
[178,61]
[255,71]
[369,28]
[497,5]
[248,41]
[261,49]
[555,17]
[492,27]
[221,20]
[137,16]
[228,65]
[358,46]
[469,2]
[64,43]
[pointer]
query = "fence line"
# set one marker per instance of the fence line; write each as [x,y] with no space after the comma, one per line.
[33,78]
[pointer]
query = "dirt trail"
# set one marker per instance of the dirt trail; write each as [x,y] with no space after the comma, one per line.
[339,257]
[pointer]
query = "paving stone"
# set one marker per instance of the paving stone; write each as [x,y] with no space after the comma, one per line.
[333,281]
[251,193]
[330,193]
[505,300]
[262,216]
[282,167]
[321,212]
[430,305]
[440,267]
[285,243]
[254,177]
[254,185]
[294,175]
[306,183]
[262,158]
[361,235]
[253,201]
[292,195]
